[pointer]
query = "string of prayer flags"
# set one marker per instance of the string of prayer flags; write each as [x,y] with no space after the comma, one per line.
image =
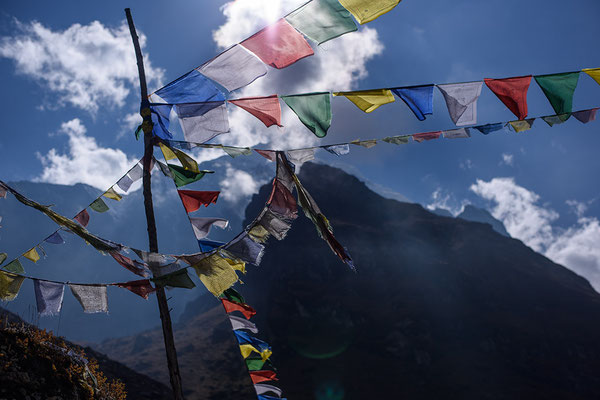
[215,273]
[15,267]
[262,388]
[461,99]
[192,87]
[93,298]
[313,110]
[240,323]
[83,218]
[489,128]
[457,133]
[48,296]
[201,122]
[32,255]
[594,73]
[512,92]
[10,284]
[245,249]
[368,10]
[368,100]
[586,116]
[266,109]
[322,20]
[236,67]
[112,194]
[556,119]
[231,306]
[559,89]
[421,137]
[418,98]
[522,125]
[401,139]
[183,177]
[279,45]
[179,278]
[99,205]
[263,376]
[193,199]
[132,265]
[141,287]
[338,150]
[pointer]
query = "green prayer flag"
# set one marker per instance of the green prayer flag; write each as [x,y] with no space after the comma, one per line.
[183,176]
[232,295]
[556,119]
[254,364]
[559,89]
[322,20]
[314,111]
[14,266]
[10,285]
[137,132]
[2,257]
[99,205]
[397,139]
[178,278]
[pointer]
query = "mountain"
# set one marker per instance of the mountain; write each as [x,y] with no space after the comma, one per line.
[475,214]
[438,308]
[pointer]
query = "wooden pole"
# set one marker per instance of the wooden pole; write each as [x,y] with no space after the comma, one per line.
[163,307]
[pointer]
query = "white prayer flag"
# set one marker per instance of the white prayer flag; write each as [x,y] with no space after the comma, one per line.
[203,121]
[461,99]
[125,183]
[299,157]
[48,296]
[262,388]
[457,133]
[93,299]
[202,226]
[236,67]
[242,323]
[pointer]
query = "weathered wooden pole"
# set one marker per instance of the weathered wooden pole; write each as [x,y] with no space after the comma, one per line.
[163,307]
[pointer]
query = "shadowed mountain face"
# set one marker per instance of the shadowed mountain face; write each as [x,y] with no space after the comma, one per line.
[471,213]
[439,308]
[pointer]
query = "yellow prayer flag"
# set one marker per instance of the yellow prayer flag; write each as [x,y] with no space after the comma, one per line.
[237,265]
[32,255]
[258,233]
[216,273]
[247,349]
[594,73]
[167,152]
[369,100]
[265,354]
[367,10]
[365,143]
[112,194]
[522,125]
[10,284]
[186,161]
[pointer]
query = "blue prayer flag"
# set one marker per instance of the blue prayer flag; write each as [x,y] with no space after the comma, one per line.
[161,122]
[55,238]
[263,397]
[245,338]
[489,128]
[193,87]
[418,98]
[207,245]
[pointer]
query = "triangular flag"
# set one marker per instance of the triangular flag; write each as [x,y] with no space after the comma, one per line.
[127,263]
[233,295]
[245,309]
[32,255]
[215,273]
[594,73]
[179,279]
[461,99]
[192,87]
[142,287]
[201,122]
[99,205]
[112,194]
[268,154]
[559,89]
[93,299]
[202,225]
[278,45]
[556,119]
[262,388]
[183,177]
[367,10]
[244,337]
[313,110]
[586,116]
[457,133]
[512,92]
[234,152]
[240,323]
[489,128]
[263,376]
[48,296]
[266,109]
[365,143]
[208,245]
[254,364]
[403,139]
[263,397]
[322,20]
[421,137]
[10,284]
[338,149]
[14,266]
[368,100]
[522,125]
[418,98]
[83,218]
[192,199]
[299,157]
[234,68]
[168,153]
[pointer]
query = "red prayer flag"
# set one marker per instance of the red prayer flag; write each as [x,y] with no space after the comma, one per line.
[267,109]
[268,154]
[231,306]
[282,201]
[142,287]
[512,92]
[83,218]
[193,199]
[263,376]
[419,137]
[126,262]
[278,45]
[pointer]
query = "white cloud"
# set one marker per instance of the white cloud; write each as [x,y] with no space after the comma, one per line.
[445,201]
[575,247]
[467,164]
[507,159]
[86,162]
[238,185]
[85,65]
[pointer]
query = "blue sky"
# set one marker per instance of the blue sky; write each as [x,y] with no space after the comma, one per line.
[72,91]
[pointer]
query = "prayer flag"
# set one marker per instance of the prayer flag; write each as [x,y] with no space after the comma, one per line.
[234,68]
[368,100]
[247,349]
[93,299]
[457,133]
[245,249]
[365,143]
[313,110]
[268,154]
[282,202]
[556,119]
[262,376]
[179,278]
[201,122]
[209,245]
[234,152]
[48,296]
[193,199]
[522,125]
[165,170]
[266,109]
[367,10]
[262,388]
[168,153]
[245,309]
[125,183]
[421,137]
[418,98]
[240,323]
[244,337]
[136,173]
[322,20]
[127,263]
[142,287]
[403,139]
[215,273]
[489,128]
[160,116]
[32,255]
[202,226]
[461,99]
[186,161]
[112,194]
[10,284]
[14,266]
[83,218]
[338,149]
[254,364]
[299,157]
[192,87]
[594,73]
[559,89]
[2,192]
[512,92]
[183,177]
[586,116]
[233,295]
[99,205]
[278,45]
